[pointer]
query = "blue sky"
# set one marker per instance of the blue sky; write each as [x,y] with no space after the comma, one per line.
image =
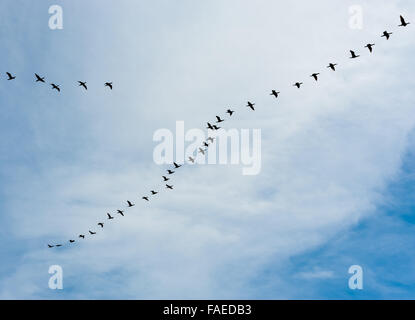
[336,186]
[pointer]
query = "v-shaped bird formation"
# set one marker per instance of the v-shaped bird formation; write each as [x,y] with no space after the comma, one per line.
[206,144]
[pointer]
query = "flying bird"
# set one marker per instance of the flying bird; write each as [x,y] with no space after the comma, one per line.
[219,119]
[354,56]
[71,241]
[386,34]
[10,76]
[58,245]
[92,232]
[205,144]
[315,76]
[145,198]
[130,204]
[297,84]
[332,66]
[81,236]
[192,160]
[50,246]
[170,171]
[202,151]
[211,139]
[110,217]
[275,93]
[403,22]
[216,127]
[39,78]
[108,84]
[101,224]
[153,192]
[165,178]
[370,47]
[83,84]
[209,126]
[230,112]
[177,166]
[55,86]
[169,187]
[251,105]
[120,212]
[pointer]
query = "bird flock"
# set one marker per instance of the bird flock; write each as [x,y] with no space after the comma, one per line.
[202,150]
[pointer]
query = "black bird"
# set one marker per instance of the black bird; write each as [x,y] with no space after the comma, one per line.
[170,172]
[315,76]
[108,84]
[202,151]
[191,160]
[332,66]
[230,112]
[297,84]
[83,84]
[169,187]
[50,246]
[205,144]
[58,245]
[216,127]
[101,224]
[177,166]
[387,34]
[403,22]
[71,241]
[56,87]
[209,126]
[10,76]
[120,212]
[82,236]
[92,232]
[251,105]
[211,139]
[275,93]
[370,47]
[153,192]
[145,198]
[130,204]
[110,217]
[165,178]
[39,79]
[219,119]
[354,56]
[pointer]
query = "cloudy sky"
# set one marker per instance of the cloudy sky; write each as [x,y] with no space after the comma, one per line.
[336,186]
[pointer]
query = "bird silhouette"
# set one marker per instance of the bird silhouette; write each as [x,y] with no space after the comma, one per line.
[205,144]
[130,204]
[209,126]
[170,171]
[251,105]
[108,84]
[145,198]
[110,217]
[202,151]
[370,47]
[297,84]
[153,192]
[81,236]
[120,212]
[177,166]
[403,22]
[58,245]
[354,56]
[230,112]
[216,127]
[10,76]
[274,93]
[315,76]
[332,66]
[101,225]
[39,78]
[165,178]
[192,160]
[169,187]
[55,86]
[50,246]
[211,139]
[386,34]
[71,241]
[219,119]
[91,232]
[83,84]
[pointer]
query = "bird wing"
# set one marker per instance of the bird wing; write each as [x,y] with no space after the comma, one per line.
[402,20]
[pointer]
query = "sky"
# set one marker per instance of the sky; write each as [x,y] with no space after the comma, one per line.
[336,186]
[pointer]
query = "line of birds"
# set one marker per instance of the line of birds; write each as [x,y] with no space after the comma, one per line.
[56,86]
[210,140]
